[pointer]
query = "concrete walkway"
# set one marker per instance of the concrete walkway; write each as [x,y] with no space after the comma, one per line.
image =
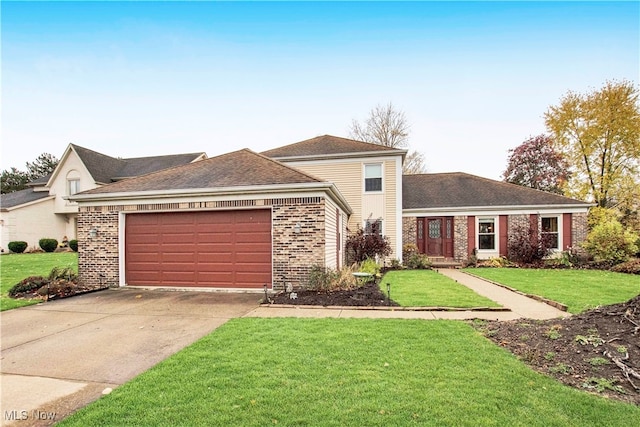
[519,305]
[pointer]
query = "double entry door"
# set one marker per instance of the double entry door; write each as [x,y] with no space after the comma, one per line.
[435,236]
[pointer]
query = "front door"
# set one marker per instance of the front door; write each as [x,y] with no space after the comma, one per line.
[434,237]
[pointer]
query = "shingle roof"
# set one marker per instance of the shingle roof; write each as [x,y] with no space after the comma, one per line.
[236,169]
[105,169]
[21,197]
[459,190]
[326,145]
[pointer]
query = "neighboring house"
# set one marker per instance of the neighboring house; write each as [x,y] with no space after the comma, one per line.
[245,220]
[43,210]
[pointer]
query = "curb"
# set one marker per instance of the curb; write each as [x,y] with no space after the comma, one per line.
[552,303]
[384,308]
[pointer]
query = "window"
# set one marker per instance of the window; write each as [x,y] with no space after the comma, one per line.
[373,177]
[487,234]
[550,231]
[373,226]
[73,186]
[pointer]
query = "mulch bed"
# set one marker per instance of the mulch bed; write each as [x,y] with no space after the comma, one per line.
[596,351]
[59,292]
[368,295]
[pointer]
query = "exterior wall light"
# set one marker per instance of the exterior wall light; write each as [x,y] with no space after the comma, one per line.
[93,233]
[297,228]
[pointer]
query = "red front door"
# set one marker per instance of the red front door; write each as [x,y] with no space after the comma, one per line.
[435,236]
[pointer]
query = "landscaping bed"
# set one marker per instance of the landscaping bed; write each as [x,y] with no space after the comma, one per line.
[597,350]
[368,295]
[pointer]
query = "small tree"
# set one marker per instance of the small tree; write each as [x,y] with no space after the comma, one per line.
[527,245]
[361,245]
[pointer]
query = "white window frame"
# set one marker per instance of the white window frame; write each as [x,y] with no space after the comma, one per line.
[558,219]
[366,225]
[496,235]
[381,177]
[73,184]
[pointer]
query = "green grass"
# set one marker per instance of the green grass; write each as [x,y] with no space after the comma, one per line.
[578,289]
[428,288]
[15,267]
[347,372]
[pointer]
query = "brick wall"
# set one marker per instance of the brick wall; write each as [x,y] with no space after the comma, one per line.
[409,231]
[98,257]
[460,234]
[579,229]
[293,253]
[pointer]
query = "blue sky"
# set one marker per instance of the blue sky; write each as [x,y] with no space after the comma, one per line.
[146,78]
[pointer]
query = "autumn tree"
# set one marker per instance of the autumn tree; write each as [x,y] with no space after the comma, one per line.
[14,179]
[388,126]
[599,134]
[536,164]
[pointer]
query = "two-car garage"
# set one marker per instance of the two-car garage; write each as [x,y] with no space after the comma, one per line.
[215,249]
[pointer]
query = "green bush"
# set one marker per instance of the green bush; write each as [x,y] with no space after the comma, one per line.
[17,246]
[63,273]
[611,242]
[418,261]
[369,266]
[48,245]
[73,244]
[29,284]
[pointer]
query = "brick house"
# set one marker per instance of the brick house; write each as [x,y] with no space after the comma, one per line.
[243,220]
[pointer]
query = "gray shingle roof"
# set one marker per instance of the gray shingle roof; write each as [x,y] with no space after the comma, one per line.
[326,145]
[460,190]
[21,197]
[239,168]
[105,169]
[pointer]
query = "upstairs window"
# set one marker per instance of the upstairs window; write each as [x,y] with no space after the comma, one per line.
[373,226]
[487,234]
[373,177]
[550,231]
[73,186]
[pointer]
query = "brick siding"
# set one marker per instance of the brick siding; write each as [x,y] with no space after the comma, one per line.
[293,254]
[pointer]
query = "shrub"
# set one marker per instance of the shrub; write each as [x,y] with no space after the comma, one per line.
[27,285]
[408,250]
[73,244]
[527,246]
[327,279]
[496,262]
[361,246]
[48,245]
[418,262]
[610,242]
[369,266]
[63,273]
[629,267]
[17,246]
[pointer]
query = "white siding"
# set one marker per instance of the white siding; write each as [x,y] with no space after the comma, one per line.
[330,234]
[31,223]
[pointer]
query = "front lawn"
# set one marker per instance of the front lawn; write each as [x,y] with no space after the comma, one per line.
[353,372]
[15,267]
[580,290]
[428,288]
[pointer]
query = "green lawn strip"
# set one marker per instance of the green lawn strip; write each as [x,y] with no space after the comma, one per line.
[580,290]
[428,288]
[336,372]
[15,267]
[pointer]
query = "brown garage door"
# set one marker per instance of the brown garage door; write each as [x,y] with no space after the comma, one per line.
[227,249]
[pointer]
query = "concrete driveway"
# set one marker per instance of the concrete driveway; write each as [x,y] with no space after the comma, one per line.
[58,356]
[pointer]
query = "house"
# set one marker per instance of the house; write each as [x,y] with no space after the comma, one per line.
[43,209]
[245,220]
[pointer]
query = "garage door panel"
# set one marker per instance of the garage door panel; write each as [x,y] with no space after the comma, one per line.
[214,249]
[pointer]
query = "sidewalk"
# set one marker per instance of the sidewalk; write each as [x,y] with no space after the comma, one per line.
[520,306]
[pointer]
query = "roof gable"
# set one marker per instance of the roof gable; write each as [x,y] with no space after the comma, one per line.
[236,169]
[461,190]
[328,145]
